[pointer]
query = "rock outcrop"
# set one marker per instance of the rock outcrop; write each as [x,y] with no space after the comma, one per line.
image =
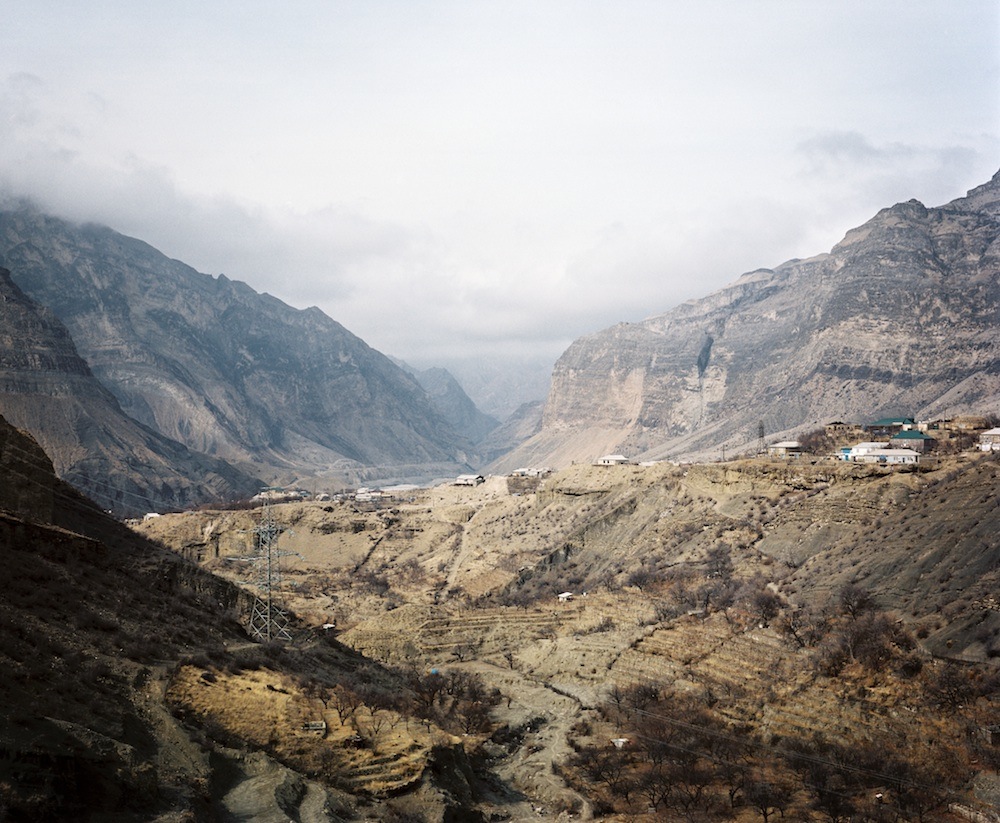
[899,318]
[47,389]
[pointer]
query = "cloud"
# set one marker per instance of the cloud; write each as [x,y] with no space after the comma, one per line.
[851,165]
[457,181]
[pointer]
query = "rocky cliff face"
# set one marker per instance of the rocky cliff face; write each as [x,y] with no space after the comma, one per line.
[47,389]
[900,317]
[224,370]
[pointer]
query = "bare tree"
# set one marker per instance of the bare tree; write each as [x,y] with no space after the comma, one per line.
[345,702]
[372,728]
[855,600]
[768,796]
[466,650]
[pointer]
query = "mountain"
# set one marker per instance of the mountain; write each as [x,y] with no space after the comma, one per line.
[525,422]
[450,399]
[132,692]
[227,371]
[501,383]
[47,389]
[899,318]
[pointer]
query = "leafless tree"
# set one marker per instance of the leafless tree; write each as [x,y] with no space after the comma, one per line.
[768,796]
[345,702]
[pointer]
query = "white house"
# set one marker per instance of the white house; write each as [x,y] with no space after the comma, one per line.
[888,457]
[989,440]
[469,480]
[865,448]
[612,460]
[786,448]
[544,471]
[565,597]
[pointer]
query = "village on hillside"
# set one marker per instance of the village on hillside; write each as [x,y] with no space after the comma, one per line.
[890,441]
[893,441]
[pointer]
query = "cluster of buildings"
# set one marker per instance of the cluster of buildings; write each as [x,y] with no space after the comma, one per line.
[898,440]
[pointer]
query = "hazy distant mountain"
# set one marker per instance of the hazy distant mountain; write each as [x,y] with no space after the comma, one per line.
[900,317]
[501,384]
[450,399]
[523,424]
[48,390]
[227,371]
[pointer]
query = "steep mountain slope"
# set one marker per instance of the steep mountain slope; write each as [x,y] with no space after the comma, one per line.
[454,404]
[900,317]
[131,691]
[525,422]
[47,389]
[211,363]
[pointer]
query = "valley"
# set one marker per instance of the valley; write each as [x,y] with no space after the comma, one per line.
[702,605]
[682,638]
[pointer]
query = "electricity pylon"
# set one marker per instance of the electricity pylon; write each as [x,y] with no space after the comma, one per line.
[268,621]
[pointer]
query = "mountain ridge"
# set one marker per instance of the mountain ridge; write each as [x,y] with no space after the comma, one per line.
[211,363]
[46,388]
[898,316]
[448,396]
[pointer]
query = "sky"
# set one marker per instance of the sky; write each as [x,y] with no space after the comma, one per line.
[470,181]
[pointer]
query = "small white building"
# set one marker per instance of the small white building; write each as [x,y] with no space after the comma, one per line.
[888,457]
[786,448]
[565,597]
[612,460]
[469,480]
[989,440]
[543,471]
[861,449]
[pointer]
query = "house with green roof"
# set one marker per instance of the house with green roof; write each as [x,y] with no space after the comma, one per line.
[889,426]
[912,439]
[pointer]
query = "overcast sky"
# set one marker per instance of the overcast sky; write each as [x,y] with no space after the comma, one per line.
[475,179]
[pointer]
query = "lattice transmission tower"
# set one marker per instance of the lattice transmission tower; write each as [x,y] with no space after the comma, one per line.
[268,620]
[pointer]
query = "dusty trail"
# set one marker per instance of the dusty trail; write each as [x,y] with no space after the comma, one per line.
[529,769]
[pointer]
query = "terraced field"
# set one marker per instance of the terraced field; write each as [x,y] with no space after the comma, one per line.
[433,584]
[269,710]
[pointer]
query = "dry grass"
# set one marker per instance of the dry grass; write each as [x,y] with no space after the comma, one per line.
[268,710]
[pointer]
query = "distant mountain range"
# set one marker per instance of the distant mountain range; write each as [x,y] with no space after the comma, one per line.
[276,392]
[146,381]
[901,317]
[451,400]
